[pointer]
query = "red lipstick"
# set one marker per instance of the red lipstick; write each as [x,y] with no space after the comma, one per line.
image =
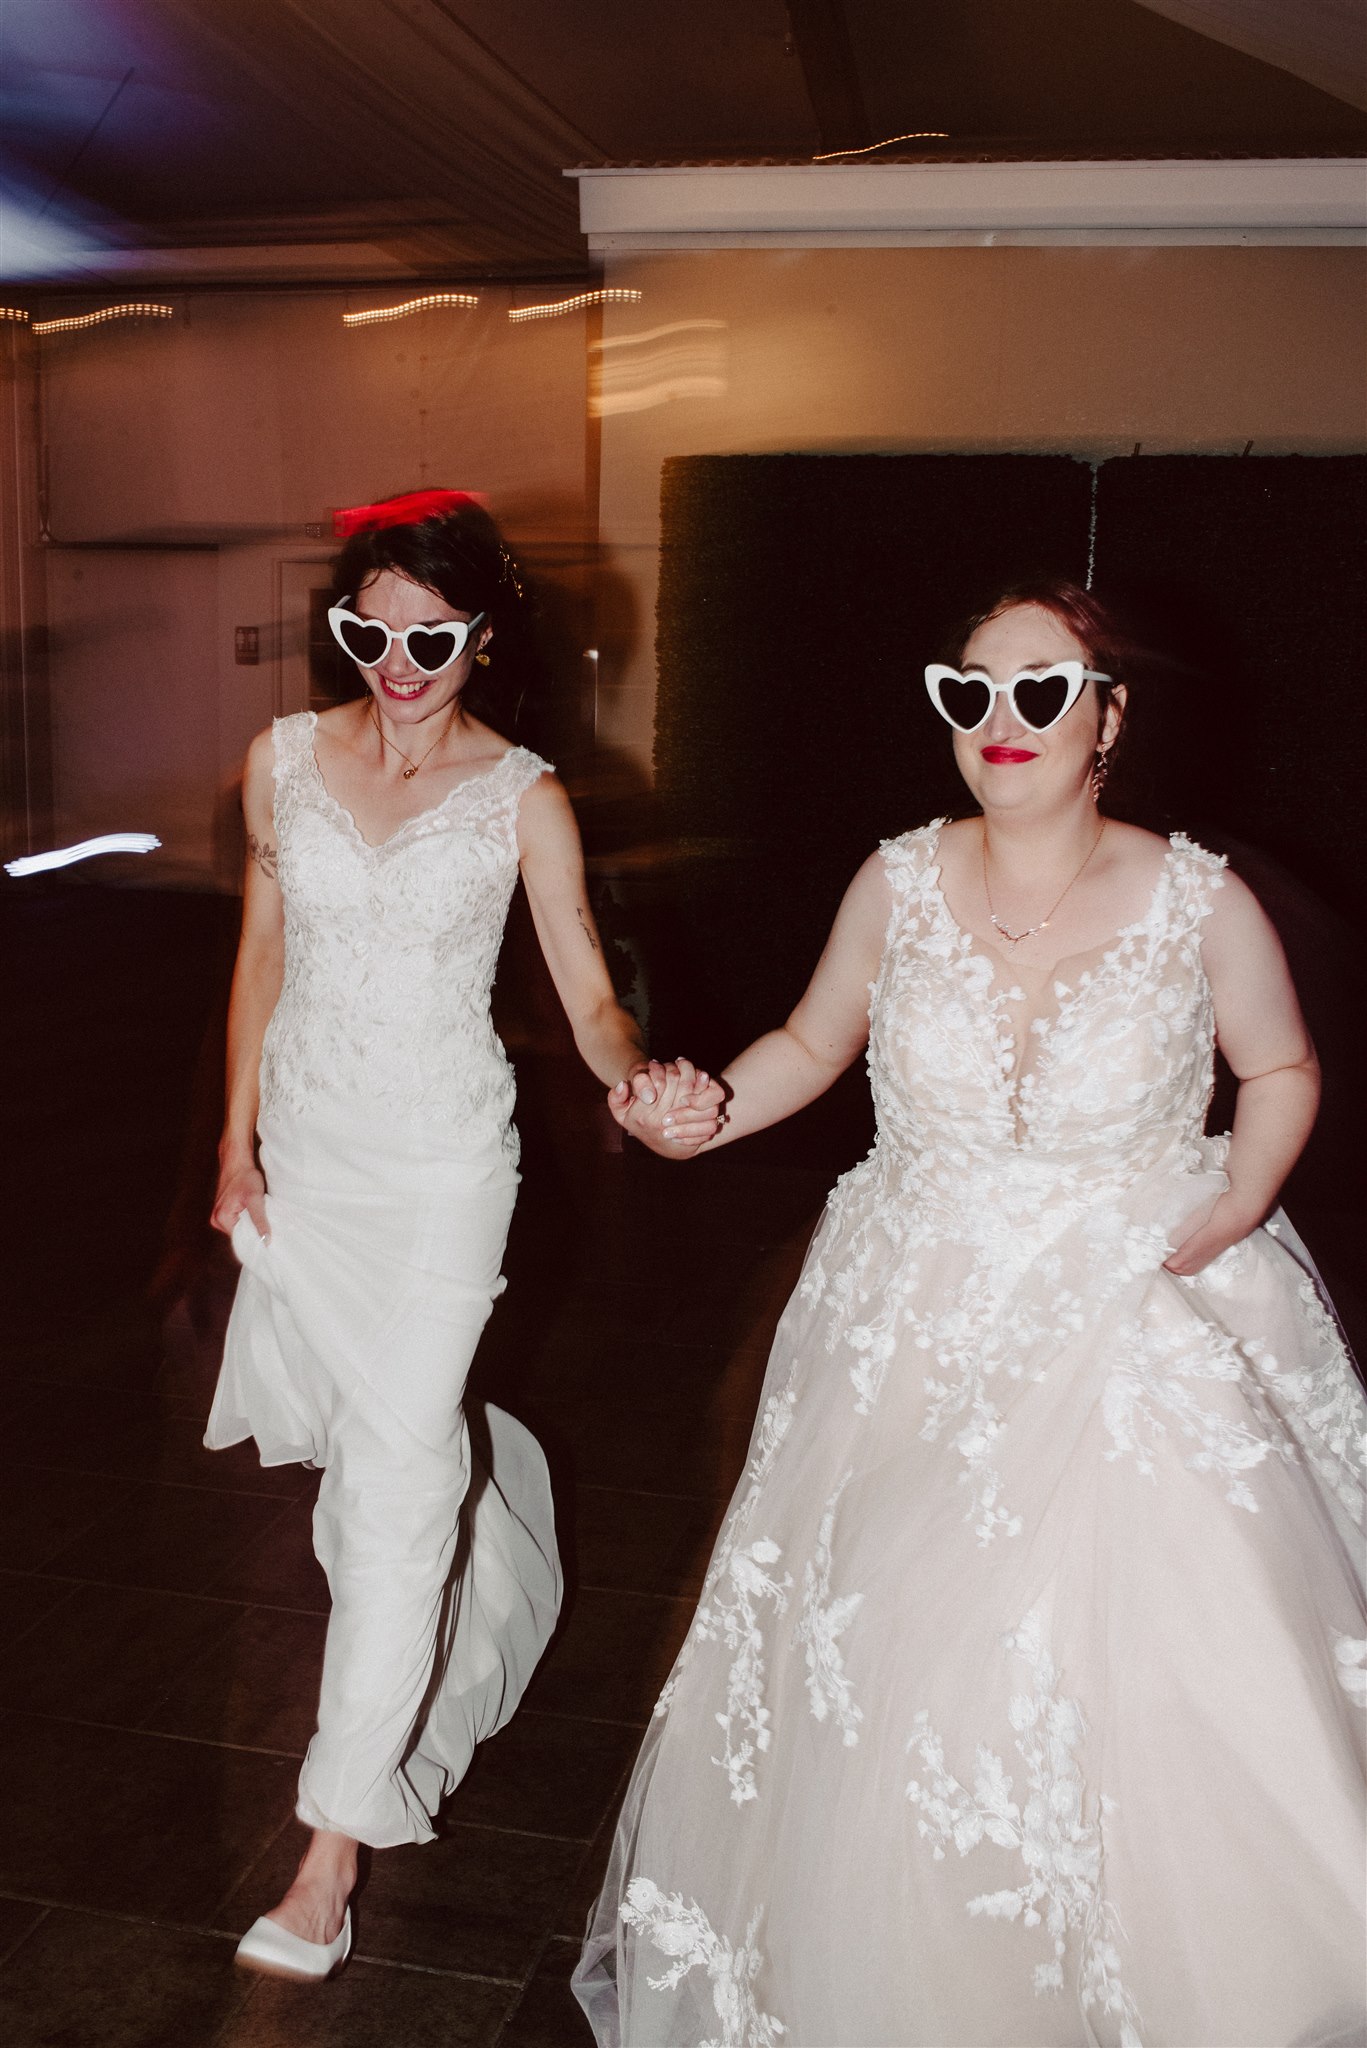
[998,755]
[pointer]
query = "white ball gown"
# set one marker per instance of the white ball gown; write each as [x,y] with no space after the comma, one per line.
[391,1168]
[1023,1705]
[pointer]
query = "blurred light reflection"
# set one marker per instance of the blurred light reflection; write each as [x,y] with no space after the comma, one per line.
[464,300]
[610,295]
[135,309]
[84,849]
[633,372]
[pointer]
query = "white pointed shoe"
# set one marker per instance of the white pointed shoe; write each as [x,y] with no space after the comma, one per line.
[268,1946]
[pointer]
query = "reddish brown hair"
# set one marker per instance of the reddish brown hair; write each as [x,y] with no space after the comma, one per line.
[1100,630]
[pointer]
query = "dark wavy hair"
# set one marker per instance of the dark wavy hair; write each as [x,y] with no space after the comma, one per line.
[462,556]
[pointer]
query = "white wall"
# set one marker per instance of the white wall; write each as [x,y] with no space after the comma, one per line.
[1077,350]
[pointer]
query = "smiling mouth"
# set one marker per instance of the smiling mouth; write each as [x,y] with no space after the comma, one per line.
[404,690]
[1001,755]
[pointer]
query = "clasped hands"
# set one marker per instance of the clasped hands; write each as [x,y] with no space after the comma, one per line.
[671,1106]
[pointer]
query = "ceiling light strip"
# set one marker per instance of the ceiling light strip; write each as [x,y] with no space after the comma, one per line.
[136,309]
[465,300]
[607,296]
[16,313]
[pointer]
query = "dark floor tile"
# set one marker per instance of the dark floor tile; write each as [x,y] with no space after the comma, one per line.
[179,1538]
[548,2015]
[546,1775]
[278,1568]
[613,1657]
[369,2006]
[109,1650]
[140,1435]
[579,1900]
[677,1447]
[644,1542]
[738,1302]
[41,1513]
[257,1686]
[102,1818]
[82,1981]
[18,1918]
[478,1900]
[25,1600]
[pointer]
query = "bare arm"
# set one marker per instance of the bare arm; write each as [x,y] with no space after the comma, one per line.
[788,1068]
[257,978]
[1263,1036]
[608,1037]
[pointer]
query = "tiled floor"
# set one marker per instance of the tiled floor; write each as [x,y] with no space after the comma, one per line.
[162,1617]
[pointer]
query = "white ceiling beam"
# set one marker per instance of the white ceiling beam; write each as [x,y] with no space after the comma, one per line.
[819,205]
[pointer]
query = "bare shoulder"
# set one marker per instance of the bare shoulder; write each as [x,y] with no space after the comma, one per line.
[1135,850]
[1237,916]
[260,756]
[546,824]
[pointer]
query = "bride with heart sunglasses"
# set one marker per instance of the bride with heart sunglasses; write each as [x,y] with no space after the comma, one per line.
[368,1172]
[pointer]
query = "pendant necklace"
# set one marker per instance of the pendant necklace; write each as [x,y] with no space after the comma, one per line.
[413,766]
[1014,938]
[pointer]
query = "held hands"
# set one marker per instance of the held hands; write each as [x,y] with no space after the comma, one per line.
[241,1185]
[1208,1231]
[673,1109]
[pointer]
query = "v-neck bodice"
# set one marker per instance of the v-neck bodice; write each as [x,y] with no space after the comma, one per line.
[1100,1070]
[390,949]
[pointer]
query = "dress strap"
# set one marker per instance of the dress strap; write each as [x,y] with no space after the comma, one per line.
[292,739]
[910,865]
[494,798]
[1195,877]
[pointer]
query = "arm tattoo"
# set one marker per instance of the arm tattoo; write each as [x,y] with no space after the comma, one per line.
[584,928]
[264,856]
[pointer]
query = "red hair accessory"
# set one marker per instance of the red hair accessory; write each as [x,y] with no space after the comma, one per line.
[406,510]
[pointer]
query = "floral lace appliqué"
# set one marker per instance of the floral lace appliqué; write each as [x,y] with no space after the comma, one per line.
[680,1929]
[824,1621]
[1056,1832]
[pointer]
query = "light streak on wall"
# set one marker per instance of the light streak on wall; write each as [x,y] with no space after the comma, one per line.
[136,309]
[13,313]
[85,849]
[609,295]
[427,303]
[634,372]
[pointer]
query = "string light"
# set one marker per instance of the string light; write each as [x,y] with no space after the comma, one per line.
[136,309]
[13,313]
[423,305]
[913,135]
[609,296]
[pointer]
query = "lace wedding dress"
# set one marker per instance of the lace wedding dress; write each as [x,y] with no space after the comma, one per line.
[391,1168]
[1024,1701]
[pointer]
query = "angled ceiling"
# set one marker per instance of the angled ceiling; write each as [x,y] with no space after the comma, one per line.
[182,141]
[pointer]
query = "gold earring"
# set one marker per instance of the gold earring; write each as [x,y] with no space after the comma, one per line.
[482,658]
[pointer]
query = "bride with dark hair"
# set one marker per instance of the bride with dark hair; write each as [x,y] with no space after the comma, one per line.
[1023,1705]
[385,838]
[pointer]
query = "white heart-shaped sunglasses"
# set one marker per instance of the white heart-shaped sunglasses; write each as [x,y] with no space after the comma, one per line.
[1038,697]
[429,648]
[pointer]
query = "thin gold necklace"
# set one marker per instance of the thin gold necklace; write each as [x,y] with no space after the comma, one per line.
[413,766]
[1014,938]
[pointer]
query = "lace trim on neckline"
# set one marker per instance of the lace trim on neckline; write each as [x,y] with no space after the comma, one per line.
[414,827]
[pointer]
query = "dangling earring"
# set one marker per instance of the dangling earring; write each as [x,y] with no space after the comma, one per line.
[482,658]
[1101,768]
